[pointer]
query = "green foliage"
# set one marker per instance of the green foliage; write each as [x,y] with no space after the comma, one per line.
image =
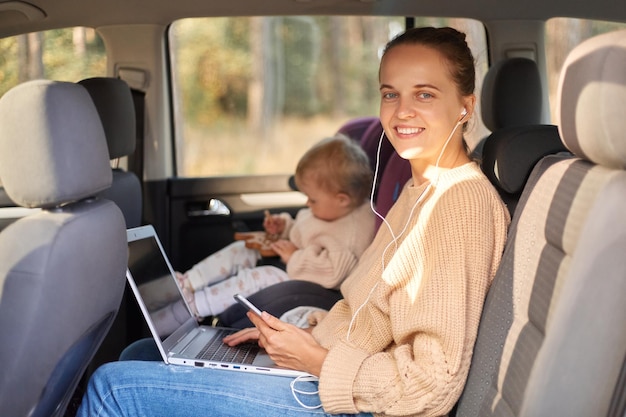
[212,62]
[65,61]
[60,56]
[299,38]
[9,71]
[301,67]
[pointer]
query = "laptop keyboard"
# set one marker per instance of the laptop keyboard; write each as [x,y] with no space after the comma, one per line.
[217,350]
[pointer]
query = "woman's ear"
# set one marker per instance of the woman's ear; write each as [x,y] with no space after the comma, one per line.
[469,102]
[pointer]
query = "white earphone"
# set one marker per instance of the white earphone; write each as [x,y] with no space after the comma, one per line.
[463,114]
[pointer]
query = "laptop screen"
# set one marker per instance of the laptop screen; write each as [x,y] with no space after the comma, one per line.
[153,277]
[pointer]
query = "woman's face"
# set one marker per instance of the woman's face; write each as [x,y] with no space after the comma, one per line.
[420,104]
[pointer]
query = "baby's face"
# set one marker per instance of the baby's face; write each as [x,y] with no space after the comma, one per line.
[324,205]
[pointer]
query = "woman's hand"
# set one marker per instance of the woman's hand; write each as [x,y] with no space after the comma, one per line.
[288,345]
[242,336]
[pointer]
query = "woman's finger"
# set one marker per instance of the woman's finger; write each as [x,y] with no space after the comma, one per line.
[245,335]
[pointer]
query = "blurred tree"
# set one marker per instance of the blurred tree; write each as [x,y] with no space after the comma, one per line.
[79,35]
[9,65]
[29,57]
[256,87]
[213,68]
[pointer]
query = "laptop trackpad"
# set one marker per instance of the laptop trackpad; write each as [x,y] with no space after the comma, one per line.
[263,359]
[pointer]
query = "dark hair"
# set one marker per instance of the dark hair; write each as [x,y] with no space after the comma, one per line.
[451,44]
[338,165]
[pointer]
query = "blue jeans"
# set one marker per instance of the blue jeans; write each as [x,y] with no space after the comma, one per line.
[154,389]
[141,350]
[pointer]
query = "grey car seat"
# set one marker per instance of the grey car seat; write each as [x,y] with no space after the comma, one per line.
[62,270]
[509,154]
[114,102]
[511,95]
[552,340]
[511,101]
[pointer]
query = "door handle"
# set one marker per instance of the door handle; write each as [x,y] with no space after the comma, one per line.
[213,207]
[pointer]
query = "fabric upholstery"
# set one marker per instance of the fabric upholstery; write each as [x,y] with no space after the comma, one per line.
[114,103]
[125,191]
[397,172]
[511,94]
[552,340]
[518,149]
[370,143]
[511,101]
[593,99]
[62,270]
[48,160]
[578,365]
[354,128]
[509,155]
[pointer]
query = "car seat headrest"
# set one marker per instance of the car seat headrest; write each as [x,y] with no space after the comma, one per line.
[510,154]
[114,102]
[511,94]
[591,99]
[354,128]
[52,144]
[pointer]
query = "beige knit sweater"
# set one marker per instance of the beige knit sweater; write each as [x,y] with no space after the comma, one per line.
[401,340]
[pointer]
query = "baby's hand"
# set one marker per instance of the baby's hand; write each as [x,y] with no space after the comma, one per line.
[284,249]
[273,224]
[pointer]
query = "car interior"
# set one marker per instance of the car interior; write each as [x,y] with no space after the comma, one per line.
[190,116]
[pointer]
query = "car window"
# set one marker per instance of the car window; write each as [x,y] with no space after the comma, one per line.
[62,54]
[562,35]
[251,94]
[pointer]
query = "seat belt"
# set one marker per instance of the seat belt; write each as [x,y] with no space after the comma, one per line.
[135,161]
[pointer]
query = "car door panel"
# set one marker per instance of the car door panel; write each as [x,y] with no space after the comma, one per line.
[204,213]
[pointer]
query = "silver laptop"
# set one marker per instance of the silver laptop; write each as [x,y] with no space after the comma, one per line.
[178,335]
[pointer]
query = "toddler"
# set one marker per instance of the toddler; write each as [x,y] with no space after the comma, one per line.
[322,244]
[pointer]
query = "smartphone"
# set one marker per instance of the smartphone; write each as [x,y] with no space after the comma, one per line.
[247,304]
